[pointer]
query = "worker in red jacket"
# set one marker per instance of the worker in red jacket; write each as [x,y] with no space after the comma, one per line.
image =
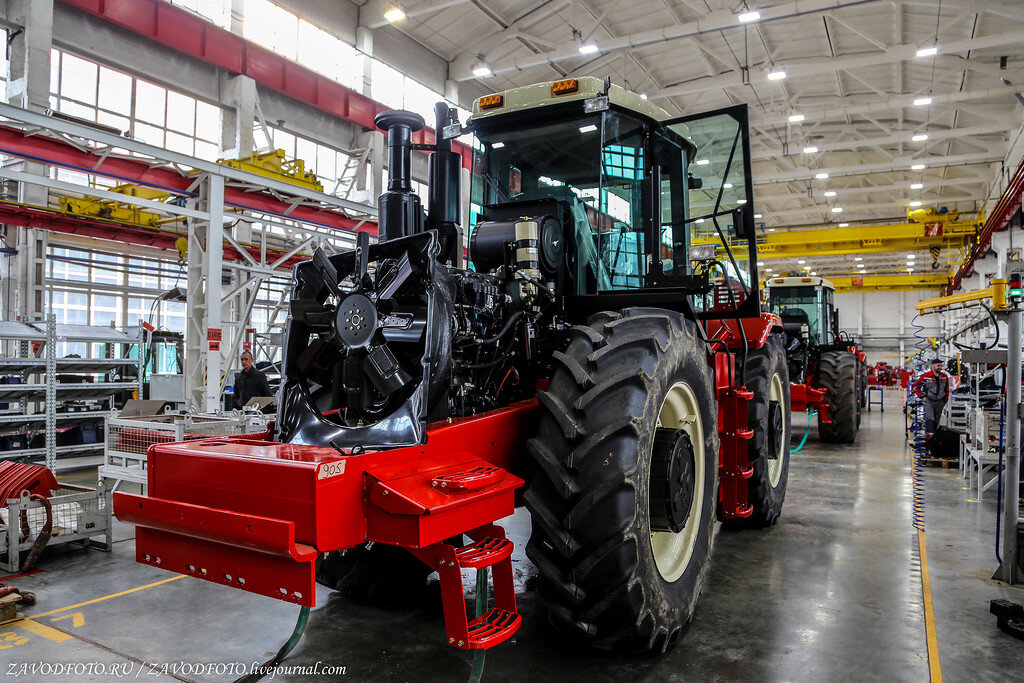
[933,386]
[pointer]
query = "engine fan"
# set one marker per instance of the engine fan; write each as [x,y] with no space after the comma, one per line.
[365,359]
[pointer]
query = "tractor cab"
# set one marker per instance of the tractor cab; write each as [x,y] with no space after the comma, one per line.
[805,301]
[626,198]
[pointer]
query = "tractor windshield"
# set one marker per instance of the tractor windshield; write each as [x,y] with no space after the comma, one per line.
[794,304]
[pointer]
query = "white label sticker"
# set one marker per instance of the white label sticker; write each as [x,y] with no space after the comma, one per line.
[331,469]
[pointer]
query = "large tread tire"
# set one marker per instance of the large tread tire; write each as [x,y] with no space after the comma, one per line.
[837,374]
[766,489]
[589,496]
[374,574]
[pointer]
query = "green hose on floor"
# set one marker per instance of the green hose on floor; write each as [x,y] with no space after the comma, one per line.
[265,668]
[481,606]
[810,413]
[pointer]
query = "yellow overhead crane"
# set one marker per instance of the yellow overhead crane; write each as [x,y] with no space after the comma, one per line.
[273,164]
[925,228]
[890,283]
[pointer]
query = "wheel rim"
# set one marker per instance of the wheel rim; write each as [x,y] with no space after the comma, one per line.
[775,466]
[672,551]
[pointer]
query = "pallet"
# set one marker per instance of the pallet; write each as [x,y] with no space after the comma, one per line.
[944,463]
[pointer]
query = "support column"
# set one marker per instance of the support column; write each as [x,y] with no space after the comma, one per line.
[203,309]
[1010,569]
[237,16]
[239,94]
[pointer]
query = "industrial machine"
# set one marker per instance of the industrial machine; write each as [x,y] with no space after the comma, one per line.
[827,368]
[589,351]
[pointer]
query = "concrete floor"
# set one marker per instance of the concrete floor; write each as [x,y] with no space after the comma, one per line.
[832,592]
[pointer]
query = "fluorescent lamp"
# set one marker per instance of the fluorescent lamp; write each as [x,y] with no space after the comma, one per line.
[497,145]
[807,267]
[748,17]
[858,258]
[917,167]
[699,220]
[394,13]
[845,225]
[588,48]
[830,193]
[771,229]
[796,118]
[821,176]
[801,262]
[813,273]
[776,75]
[589,128]
[810,150]
[702,162]
[911,256]
[837,209]
[741,201]
[921,101]
[727,186]
[757,215]
[927,51]
[910,270]
[760,263]
[915,203]
[643,96]
[916,186]
[481,71]
[920,138]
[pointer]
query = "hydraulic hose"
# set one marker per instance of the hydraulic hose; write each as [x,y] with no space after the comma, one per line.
[811,412]
[289,645]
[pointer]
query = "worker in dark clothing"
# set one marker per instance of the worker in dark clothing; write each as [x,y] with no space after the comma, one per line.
[933,387]
[249,382]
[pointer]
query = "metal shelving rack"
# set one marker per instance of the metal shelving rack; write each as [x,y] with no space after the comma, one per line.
[52,393]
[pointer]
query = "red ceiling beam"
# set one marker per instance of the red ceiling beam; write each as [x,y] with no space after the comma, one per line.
[57,221]
[14,142]
[1009,203]
[189,34]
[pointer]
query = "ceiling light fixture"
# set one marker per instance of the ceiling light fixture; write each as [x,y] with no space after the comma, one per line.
[830,193]
[921,137]
[748,17]
[588,48]
[810,150]
[796,118]
[702,162]
[757,215]
[481,69]
[917,167]
[916,186]
[813,273]
[845,225]
[741,201]
[801,262]
[727,186]
[821,176]
[837,209]
[915,203]
[922,101]
[857,258]
[497,145]
[928,51]
[589,128]
[643,96]
[394,13]
[776,75]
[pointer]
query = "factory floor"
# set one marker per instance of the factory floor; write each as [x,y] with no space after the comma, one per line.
[833,592]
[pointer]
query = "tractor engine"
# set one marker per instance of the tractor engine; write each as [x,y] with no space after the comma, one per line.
[391,336]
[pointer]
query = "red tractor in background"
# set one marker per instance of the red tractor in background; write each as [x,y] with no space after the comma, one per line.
[596,350]
[828,369]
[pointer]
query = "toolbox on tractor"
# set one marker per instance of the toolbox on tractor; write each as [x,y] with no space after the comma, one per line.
[602,360]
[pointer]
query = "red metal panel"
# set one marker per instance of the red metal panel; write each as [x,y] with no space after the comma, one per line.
[183,31]
[756,330]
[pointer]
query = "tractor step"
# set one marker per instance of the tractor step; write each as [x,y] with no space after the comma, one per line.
[493,628]
[490,549]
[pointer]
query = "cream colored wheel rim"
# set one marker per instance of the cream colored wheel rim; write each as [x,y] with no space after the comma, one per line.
[672,551]
[775,393]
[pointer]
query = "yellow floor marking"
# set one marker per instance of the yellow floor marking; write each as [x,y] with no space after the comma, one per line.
[43,630]
[77,619]
[107,597]
[934,667]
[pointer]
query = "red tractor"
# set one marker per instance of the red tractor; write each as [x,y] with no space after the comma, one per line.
[602,361]
[828,369]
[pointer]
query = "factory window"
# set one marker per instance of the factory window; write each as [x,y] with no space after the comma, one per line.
[215,11]
[143,110]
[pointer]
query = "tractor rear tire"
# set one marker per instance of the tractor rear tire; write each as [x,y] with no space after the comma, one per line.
[767,375]
[837,374]
[630,409]
[375,574]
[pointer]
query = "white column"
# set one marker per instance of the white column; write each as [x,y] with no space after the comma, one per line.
[239,94]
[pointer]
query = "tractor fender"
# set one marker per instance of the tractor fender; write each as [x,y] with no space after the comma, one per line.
[756,330]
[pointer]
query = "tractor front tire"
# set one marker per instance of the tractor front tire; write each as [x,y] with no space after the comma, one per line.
[767,375]
[626,451]
[837,374]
